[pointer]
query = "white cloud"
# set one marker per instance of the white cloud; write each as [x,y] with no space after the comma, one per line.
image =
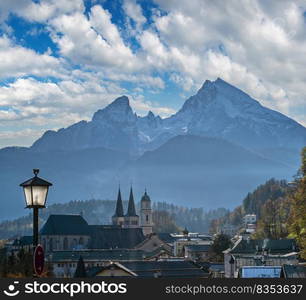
[56,105]
[134,12]
[93,42]
[19,61]
[258,46]
[38,11]
[22,137]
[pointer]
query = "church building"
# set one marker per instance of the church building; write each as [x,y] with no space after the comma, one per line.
[131,219]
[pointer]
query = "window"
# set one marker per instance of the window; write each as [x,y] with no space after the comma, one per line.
[74,243]
[81,241]
[147,218]
[50,244]
[65,244]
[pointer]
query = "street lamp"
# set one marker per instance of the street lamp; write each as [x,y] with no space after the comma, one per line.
[35,192]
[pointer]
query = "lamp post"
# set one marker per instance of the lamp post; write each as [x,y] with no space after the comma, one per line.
[35,192]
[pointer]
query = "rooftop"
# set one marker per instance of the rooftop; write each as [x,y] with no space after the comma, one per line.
[23,241]
[250,246]
[173,269]
[96,255]
[294,271]
[198,247]
[112,237]
[65,225]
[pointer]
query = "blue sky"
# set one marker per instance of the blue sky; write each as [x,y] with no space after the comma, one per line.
[60,61]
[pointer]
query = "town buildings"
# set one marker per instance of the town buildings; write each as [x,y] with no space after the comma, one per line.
[258,254]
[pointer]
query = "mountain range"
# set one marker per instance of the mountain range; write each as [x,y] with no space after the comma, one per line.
[214,150]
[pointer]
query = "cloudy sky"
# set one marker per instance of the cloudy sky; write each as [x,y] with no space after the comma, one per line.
[60,61]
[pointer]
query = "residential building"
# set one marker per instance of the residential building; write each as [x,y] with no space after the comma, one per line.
[249,219]
[247,253]
[181,241]
[198,252]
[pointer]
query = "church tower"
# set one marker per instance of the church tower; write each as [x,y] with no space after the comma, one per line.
[131,219]
[146,221]
[118,217]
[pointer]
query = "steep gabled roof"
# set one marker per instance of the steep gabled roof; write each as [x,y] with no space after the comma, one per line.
[25,240]
[94,271]
[65,225]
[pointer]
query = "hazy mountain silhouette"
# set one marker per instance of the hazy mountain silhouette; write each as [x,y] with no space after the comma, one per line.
[215,149]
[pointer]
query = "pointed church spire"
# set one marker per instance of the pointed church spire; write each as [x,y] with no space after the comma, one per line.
[119,205]
[131,206]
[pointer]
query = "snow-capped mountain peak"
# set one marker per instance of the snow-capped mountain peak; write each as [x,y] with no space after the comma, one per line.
[218,109]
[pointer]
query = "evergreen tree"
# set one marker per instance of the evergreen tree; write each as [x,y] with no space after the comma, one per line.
[80,271]
[221,242]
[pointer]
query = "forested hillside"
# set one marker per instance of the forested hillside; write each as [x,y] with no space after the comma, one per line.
[280,208]
[100,212]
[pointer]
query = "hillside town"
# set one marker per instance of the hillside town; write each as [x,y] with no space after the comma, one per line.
[129,247]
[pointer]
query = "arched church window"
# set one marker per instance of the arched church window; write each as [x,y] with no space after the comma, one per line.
[74,243]
[65,244]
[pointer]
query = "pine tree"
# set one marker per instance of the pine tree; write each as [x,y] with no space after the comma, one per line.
[80,271]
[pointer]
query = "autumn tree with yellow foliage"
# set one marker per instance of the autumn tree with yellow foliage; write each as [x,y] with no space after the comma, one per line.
[297,221]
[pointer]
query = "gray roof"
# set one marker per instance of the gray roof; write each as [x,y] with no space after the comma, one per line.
[98,255]
[271,246]
[25,240]
[294,271]
[112,237]
[65,225]
[198,248]
[212,266]
[166,237]
[173,269]
[101,236]
[93,271]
